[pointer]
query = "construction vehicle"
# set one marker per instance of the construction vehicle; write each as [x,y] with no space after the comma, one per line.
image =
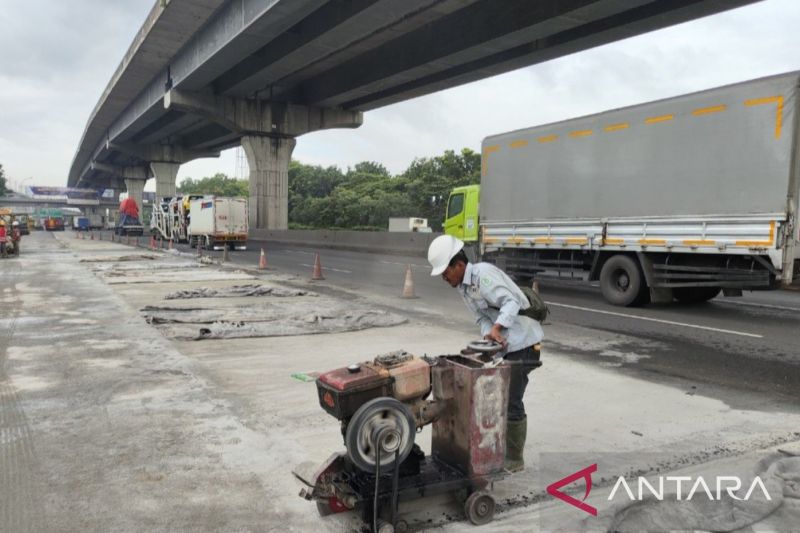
[169,219]
[128,223]
[676,199]
[216,222]
[381,405]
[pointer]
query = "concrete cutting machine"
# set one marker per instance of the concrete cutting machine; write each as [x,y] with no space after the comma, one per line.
[381,405]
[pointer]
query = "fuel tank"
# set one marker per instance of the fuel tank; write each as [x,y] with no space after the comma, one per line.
[398,375]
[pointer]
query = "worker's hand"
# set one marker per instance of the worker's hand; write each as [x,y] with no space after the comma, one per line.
[495,335]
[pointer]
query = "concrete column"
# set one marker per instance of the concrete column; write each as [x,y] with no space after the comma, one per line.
[268,158]
[136,191]
[166,174]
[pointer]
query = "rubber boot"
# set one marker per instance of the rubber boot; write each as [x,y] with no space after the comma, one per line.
[516,432]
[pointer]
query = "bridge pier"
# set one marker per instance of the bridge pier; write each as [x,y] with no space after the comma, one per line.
[166,174]
[268,159]
[267,130]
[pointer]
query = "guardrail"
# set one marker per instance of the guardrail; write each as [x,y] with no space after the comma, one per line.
[398,243]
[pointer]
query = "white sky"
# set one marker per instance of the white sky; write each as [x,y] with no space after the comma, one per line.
[56,58]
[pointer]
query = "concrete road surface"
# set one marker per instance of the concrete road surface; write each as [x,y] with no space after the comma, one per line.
[109,424]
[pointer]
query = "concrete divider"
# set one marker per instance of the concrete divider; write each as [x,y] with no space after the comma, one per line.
[400,243]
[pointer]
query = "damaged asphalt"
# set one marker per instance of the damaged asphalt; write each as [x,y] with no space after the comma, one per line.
[110,423]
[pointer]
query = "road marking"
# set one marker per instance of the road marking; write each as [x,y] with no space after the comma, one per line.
[660,321]
[402,264]
[328,268]
[294,252]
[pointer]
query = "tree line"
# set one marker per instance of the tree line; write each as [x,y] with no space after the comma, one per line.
[364,196]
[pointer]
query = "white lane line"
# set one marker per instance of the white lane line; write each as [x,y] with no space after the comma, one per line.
[328,268]
[670,322]
[413,265]
[295,252]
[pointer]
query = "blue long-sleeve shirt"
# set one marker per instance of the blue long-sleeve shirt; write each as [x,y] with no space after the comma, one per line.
[494,298]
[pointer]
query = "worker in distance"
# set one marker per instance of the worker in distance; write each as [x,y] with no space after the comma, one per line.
[495,301]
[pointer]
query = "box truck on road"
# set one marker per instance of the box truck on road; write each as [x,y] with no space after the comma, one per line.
[675,199]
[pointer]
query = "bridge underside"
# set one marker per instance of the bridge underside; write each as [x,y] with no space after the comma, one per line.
[278,70]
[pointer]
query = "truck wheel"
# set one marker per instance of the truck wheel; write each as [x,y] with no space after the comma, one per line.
[622,282]
[693,295]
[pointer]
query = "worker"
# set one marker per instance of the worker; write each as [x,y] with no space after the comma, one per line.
[3,236]
[495,300]
[16,236]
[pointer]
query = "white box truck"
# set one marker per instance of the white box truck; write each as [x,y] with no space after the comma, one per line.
[216,222]
[675,199]
[401,224]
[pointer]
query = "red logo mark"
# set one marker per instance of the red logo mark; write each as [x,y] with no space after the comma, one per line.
[328,399]
[586,474]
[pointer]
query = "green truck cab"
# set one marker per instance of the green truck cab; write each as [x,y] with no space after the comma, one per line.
[461,218]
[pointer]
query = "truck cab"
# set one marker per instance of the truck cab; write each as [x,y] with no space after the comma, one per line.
[461,218]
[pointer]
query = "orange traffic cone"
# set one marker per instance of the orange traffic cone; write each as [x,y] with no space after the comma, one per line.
[224,253]
[408,285]
[316,273]
[170,243]
[262,261]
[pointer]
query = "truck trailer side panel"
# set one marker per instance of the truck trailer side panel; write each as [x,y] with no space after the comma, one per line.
[725,151]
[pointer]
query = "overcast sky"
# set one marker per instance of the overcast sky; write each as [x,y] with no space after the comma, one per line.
[56,57]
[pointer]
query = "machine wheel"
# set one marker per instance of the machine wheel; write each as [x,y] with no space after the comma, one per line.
[479,508]
[622,282]
[384,419]
[693,295]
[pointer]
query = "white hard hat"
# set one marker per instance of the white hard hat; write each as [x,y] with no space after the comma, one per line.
[442,249]
[15,223]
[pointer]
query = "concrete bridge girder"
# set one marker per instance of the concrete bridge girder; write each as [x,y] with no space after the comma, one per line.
[268,130]
[164,161]
[134,178]
[262,117]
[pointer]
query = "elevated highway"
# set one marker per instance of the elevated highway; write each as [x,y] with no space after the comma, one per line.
[206,75]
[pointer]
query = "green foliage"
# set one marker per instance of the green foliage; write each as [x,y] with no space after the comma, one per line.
[219,184]
[3,190]
[367,195]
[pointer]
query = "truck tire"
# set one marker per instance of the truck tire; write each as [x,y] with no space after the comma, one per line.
[622,282]
[694,295]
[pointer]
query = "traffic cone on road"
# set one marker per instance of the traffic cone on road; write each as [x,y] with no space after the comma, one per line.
[262,261]
[170,243]
[225,253]
[316,273]
[408,285]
